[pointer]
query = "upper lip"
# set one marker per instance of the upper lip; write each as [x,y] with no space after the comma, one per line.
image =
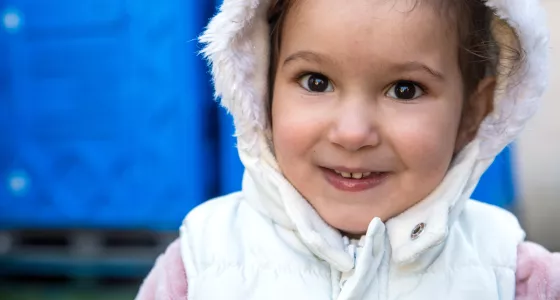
[354,170]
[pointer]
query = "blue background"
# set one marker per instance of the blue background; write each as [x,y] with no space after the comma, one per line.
[107,118]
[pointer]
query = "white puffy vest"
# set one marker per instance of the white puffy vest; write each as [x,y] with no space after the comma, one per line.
[232,251]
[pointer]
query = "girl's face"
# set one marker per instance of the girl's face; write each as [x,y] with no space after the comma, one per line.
[371,88]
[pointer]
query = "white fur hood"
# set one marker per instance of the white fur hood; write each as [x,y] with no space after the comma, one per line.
[237,47]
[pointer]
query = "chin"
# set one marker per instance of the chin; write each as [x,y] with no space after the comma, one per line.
[351,225]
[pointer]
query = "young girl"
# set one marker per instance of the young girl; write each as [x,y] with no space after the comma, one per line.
[364,127]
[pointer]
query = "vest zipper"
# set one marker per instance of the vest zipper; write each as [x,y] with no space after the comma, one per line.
[353,248]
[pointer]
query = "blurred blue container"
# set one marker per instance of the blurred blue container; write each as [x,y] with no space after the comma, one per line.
[498,184]
[103,109]
[231,168]
[496,187]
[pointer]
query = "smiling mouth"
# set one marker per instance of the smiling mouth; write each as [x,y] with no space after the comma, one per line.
[357,175]
[354,181]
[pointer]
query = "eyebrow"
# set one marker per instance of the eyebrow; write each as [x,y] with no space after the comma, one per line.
[308,56]
[407,66]
[418,66]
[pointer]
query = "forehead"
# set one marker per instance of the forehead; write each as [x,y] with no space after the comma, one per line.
[373,30]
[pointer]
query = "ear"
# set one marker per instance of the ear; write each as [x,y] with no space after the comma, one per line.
[476,108]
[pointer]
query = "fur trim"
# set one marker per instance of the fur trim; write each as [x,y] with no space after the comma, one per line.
[237,47]
[517,96]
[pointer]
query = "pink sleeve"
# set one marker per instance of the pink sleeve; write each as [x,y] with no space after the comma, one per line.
[167,280]
[538,273]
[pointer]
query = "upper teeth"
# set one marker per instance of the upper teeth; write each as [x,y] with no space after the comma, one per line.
[353,175]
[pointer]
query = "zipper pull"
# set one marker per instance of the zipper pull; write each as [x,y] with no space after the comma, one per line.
[352,250]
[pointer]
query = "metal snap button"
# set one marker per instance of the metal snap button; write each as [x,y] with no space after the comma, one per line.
[417,231]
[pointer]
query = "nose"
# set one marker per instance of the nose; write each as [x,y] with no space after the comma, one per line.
[354,127]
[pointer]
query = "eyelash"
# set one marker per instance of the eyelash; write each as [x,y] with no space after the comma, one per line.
[420,85]
[299,80]
[302,74]
[423,87]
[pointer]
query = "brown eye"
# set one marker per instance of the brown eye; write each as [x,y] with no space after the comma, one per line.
[405,90]
[316,83]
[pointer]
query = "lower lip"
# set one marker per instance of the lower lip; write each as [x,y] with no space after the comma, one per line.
[354,185]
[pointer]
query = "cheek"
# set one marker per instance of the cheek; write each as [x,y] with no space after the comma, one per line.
[424,138]
[296,127]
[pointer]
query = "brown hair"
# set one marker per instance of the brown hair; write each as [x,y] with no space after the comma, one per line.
[478,51]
